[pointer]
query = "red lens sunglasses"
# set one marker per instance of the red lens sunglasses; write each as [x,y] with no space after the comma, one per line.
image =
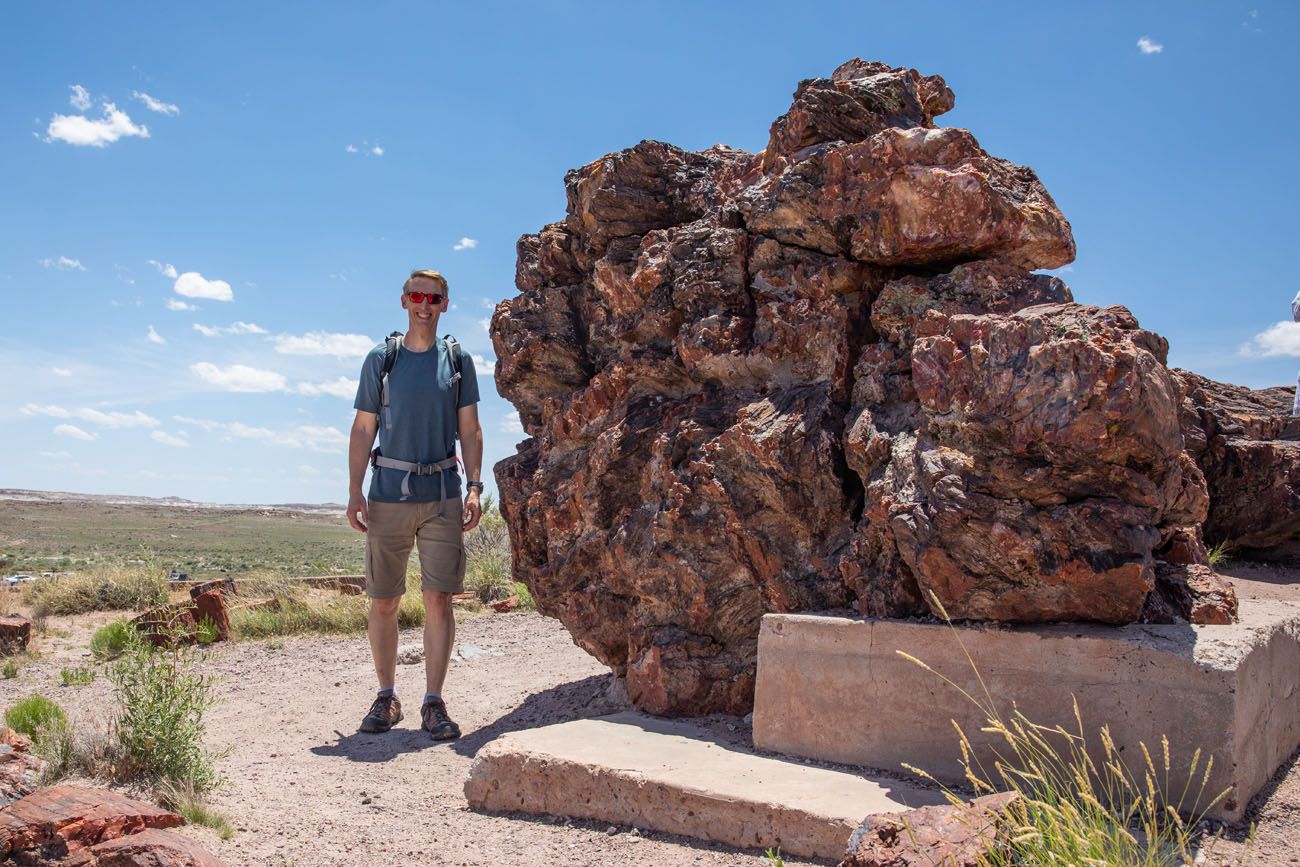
[421,297]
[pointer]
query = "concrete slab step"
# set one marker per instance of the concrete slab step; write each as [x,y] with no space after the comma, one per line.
[672,776]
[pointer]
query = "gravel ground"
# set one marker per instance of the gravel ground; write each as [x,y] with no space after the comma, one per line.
[304,788]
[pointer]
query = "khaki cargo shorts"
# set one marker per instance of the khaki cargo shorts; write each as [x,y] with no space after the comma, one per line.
[395,527]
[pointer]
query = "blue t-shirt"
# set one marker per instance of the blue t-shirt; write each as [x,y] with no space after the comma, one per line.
[419,424]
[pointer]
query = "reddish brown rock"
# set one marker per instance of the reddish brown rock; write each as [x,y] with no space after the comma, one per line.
[211,605]
[164,627]
[15,633]
[19,770]
[69,818]
[947,836]
[153,848]
[1248,446]
[1194,593]
[503,605]
[826,378]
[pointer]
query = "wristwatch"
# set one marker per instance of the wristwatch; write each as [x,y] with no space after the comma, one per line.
[474,485]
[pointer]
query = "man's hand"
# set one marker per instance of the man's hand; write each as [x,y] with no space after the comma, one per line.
[473,511]
[357,507]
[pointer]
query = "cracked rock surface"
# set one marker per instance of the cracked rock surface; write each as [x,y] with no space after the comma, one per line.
[827,377]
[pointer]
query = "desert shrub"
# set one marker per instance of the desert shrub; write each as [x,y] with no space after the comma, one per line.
[488,577]
[161,701]
[111,640]
[526,600]
[79,676]
[303,611]
[9,670]
[33,716]
[1219,555]
[183,799]
[206,631]
[1073,809]
[104,588]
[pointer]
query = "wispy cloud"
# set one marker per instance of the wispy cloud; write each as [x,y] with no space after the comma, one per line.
[464,244]
[65,456]
[63,263]
[192,284]
[236,328]
[483,365]
[73,432]
[156,105]
[95,416]
[166,270]
[365,149]
[178,304]
[80,97]
[168,439]
[313,437]
[155,337]
[324,343]
[341,387]
[61,371]
[82,131]
[239,377]
[1279,339]
[1148,46]
[486,323]
[511,424]
[377,151]
[350,148]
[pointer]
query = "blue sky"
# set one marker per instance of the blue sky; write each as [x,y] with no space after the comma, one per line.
[186,309]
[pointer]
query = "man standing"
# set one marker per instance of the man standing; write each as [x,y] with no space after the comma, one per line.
[418,393]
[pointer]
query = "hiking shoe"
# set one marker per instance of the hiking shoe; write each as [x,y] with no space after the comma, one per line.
[385,713]
[434,720]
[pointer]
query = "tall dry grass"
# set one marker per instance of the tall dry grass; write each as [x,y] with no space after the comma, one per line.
[1080,802]
[103,587]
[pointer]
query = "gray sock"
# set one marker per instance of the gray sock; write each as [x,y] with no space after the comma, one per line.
[387,691]
[431,696]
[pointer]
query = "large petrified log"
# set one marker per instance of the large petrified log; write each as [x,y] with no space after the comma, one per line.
[823,377]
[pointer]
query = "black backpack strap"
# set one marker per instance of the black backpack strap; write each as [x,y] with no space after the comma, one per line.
[457,354]
[391,342]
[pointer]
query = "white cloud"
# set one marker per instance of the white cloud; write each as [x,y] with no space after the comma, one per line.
[511,424]
[341,387]
[237,328]
[167,439]
[1280,338]
[483,365]
[73,432]
[63,263]
[76,129]
[350,148]
[166,270]
[66,456]
[1147,46]
[61,371]
[308,469]
[377,151]
[239,377]
[465,244]
[157,105]
[80,98]
[178,304]
[313,437]
[155,337]
[487,304]
[366,149]
[486,323]
[324,343]
[192,284]
[106,419]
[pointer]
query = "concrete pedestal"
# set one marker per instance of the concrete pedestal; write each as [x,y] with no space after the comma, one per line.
[836,688]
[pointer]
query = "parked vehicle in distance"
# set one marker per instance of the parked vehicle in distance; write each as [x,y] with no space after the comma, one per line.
[14,580]
[177,576]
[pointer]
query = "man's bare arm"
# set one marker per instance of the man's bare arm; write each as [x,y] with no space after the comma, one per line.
[364,428]
[471,452]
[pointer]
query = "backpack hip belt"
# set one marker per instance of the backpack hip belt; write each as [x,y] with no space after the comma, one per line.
[414,469]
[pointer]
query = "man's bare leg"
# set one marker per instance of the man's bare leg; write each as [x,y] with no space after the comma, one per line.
[381,628]
[439,638]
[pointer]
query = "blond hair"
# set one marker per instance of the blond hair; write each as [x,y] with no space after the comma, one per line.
[428,274]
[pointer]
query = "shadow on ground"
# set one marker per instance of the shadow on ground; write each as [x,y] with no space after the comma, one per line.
[368,747]
[597,695]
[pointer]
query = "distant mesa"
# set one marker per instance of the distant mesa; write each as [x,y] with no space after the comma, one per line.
[828,376]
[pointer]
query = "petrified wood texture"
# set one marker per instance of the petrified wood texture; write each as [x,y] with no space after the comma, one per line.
[825,377]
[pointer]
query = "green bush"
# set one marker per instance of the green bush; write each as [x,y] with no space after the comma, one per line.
[206,631]
[105,588]
[9,670]
[159,728]
[110,641]
[33,716]
[488,577]
[526,601]
[79,676]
